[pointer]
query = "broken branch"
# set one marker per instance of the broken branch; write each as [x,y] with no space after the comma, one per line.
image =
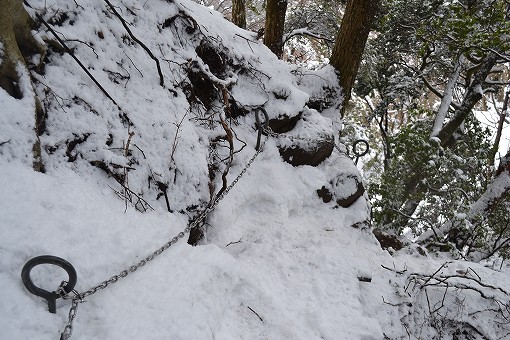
[161,80]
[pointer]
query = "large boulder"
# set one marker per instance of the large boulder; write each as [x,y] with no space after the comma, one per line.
[344,190]
[310,142]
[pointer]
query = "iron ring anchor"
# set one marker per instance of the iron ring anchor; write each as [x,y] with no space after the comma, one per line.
[51,297]
[360,152]
[261,127]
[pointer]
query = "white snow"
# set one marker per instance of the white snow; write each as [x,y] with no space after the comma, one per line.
[276,262]
[447,98]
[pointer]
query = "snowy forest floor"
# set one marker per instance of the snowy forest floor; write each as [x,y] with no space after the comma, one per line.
[276,261]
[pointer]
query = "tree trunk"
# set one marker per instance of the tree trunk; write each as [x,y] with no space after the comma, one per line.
[499,131]
[275,22]
[18,44]
[496,191]
[239,13]
[472,96]
[350,42]
[484,207]
[447,98]
[17,41]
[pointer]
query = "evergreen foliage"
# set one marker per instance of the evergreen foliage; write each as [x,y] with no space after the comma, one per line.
[428,185]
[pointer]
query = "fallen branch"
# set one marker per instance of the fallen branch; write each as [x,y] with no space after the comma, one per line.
[7,141]
[257,314]
[161,80]
[400,272]
[176,138]
[144,203]
[141,74]
[477,280]
[86,44]
[71,53]
[389,303]
[233,242]
[442,302]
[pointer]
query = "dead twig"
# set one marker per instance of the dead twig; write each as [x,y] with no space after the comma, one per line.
[442,301]
[161,79]
[49,90]
[86,44]
[389,303]
[144,203]
[77,5]
[71,53]
[230,139]
[117,76]
[125,184]
[437,271]
[443,278]
[400,272]
[143,153]
[126,148]
[133,63]
[233,242]
[176,138]
[257,314]
[248,41]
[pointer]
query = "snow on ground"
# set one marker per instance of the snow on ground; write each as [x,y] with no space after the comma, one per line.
[294,265]
[276,262]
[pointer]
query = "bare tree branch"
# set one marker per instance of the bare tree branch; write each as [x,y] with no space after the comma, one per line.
[161,79]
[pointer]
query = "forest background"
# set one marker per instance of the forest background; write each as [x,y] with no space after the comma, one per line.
[431,97]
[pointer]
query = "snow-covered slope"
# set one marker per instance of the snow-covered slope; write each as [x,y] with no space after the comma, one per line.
[275,263]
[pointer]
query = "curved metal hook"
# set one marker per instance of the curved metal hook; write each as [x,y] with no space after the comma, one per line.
[50,297]
[363,151]
[260,126]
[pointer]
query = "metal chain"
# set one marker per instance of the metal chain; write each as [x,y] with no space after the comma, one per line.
[78,298]
[68,330]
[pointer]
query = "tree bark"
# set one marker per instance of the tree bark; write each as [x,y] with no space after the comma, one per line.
[472,96]
[446,135]
[350,42]
[447,98]
[499,130]
[496,191]
[239,13]
[17,40]
[275,22]
[18,44]
[484,207]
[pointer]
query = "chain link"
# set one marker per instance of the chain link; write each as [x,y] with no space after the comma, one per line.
[68,329]
[78,298]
